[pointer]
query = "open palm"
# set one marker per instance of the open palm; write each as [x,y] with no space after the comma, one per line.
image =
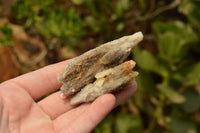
[19,113]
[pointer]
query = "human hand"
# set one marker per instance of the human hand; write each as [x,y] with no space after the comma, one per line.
[19,113]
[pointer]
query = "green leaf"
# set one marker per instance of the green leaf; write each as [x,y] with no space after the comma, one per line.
[145,59]
[128,123]
[189,75]
[174,40]
[171,94]
[190,8]
[193,74]
[192,102]
[145,82]
[181,126]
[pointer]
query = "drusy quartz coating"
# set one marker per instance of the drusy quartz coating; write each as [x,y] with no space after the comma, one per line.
[100,70]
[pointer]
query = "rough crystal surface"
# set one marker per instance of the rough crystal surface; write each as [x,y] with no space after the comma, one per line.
[83,73]
[109,80]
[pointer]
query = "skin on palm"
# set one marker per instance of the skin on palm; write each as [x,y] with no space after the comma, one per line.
[19,113]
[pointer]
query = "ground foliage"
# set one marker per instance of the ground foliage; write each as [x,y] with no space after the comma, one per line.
[168,60]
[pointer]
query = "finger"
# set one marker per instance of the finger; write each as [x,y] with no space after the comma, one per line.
[125,93]
[41,82]
[54,106]
[67,118]
[92,116]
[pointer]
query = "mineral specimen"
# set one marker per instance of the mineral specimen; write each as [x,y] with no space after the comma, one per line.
[109,80]
[80,73]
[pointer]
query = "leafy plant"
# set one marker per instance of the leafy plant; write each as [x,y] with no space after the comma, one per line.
[50,21]
[31,11]
[106,14]
[176,69]
[59,24]
[190,8]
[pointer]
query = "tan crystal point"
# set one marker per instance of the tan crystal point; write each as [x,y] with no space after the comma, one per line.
[109,80]
[81,71]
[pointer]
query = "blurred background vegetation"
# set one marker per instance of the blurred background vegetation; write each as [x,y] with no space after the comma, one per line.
[35,33]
